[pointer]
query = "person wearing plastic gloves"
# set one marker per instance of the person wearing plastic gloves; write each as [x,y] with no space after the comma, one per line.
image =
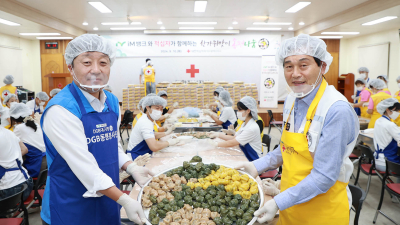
[5,116]
[248,137]
[143,137]
[387,133]
[378,95]
[149,78]
[31,135]
[384,78]
[227,116]
[156,127]
[363,71]
[167,110]
[12,174]
[363,99]
[315,171]
[216,104]
[54,92]
[36,105]
[81,133]
[7,89]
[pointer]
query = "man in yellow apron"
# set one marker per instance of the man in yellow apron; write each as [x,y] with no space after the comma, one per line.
[149,78]
[315,171]
[376,86]
[8,88]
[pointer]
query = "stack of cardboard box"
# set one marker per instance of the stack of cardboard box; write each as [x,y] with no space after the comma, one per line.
[125,99]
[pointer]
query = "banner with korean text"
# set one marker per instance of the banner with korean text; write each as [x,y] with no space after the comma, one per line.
[269,82]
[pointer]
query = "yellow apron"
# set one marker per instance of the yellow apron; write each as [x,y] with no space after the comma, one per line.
[376,98]
[8,128]
[6,90]
[149,77]
[159,122]
[262,133]
[387,89]
[136,119]
[330,208]
[397,121]
[365,108]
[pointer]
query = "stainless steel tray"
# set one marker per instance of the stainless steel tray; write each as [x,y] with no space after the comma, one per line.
[194,129]
[147,210]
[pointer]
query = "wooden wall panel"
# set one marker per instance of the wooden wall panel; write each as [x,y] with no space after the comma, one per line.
[333,46]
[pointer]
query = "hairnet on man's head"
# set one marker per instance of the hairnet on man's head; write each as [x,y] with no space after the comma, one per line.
[361,80]
[42,96]
[89,43]
[363,69]
[377,83]
[18,110]
[9,79]
[154,100]
[149,63]
[151,94]
[251,104]
[383,105]
[225,98]
[8,97]
[219,89]
[303,44]
[384,77]
[140,103]
[161,93]
[54,92]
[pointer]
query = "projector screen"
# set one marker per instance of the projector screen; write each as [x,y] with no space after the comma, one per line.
[376,58]
[11,63]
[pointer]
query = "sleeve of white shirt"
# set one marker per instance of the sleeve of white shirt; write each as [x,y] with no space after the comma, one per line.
[247,136]
[30,105]
[225,115]
[122,156]
[61,126]
[147,132]
[395,131]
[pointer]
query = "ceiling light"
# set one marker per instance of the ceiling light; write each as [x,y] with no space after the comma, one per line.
[38,34]
[159,22]
[297,7]
[381,20]
[197,23]
[191,31]
[328,37]
[263,28]
[200,6]
[115,23]
[136,23]
[343,33]
[290,28]
[263,23]
[9,23]
[162,28]
[196,28]
[301,23]
[234,22]
[85,24]
[54,38]
[95,28]
[230,28]
[128,28]
[100,6]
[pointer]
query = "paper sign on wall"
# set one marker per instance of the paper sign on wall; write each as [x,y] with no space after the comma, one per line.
[269,83]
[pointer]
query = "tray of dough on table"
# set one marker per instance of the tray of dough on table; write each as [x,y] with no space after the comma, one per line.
[198,193]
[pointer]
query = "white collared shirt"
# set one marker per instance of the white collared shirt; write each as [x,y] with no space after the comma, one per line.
[29,136]
[250,134]
[32,105]
[67,134]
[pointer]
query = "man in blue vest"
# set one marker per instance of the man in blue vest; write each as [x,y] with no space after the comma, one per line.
[80,129]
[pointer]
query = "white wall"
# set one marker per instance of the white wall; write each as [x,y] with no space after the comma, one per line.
[30,61]
[348,55]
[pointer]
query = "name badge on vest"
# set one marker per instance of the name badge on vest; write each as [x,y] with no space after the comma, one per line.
[309,139]
[287,126]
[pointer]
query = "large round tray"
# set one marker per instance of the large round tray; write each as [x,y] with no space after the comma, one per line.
[147,210]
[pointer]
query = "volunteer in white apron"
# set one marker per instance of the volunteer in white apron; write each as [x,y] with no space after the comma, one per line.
[227,116]
[36,105]
[315,171]
[216,105]
[5,115]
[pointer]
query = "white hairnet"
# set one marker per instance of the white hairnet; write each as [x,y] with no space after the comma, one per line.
[377,83]
[42,96]
[225,98]
[89,43]
[54,92]
[384,77]
[18,110]
[154,100]
[219,89]
[162,93]
[398,79]
[8,97]
[151,94]
[140,103]
[149,63]
[361,80]
[363,69]
[304,44]
[383,105]
[9,79]
[251,104]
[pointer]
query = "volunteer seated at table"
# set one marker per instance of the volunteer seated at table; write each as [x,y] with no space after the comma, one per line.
[364,96]
[143,137]
[5,115]
[217,105]
[31,135]
[378,95]
[54,92]
[149,78]
[167,110]
[363,74]
[7,89]
[36,105]
[384,78]
[315,171]
[248,137]
[228,116]
[12,174]
[387,133]
[81,133]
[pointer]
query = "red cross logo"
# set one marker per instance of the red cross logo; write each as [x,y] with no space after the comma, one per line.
[192,71]
[283,148]
[59,85]
[188,51]
[5,94]
[148,71]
